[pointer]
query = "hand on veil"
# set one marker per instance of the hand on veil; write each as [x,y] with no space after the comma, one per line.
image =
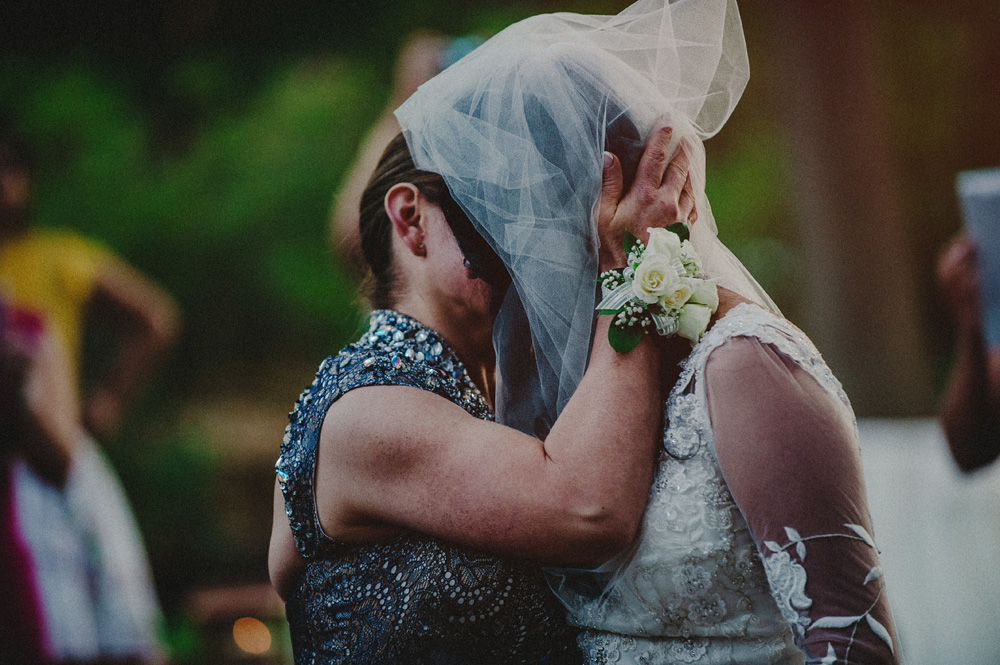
[661,195]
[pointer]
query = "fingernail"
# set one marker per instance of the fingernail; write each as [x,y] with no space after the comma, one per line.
[608,159]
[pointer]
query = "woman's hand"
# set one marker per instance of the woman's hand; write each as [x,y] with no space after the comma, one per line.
[661,195]
[957,279]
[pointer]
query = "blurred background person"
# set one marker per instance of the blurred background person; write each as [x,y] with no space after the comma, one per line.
[62,276]
[59,276]
[47,608]
[970,406]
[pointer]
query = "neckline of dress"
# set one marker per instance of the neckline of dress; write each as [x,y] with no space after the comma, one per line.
[720,331]
[395,330]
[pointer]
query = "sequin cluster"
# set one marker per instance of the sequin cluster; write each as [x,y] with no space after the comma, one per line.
[401,345]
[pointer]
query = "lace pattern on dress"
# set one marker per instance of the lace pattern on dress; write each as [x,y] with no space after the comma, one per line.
[787,578]
[695,588]
[744,320]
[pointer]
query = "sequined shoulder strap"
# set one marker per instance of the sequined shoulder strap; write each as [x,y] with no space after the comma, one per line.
[356,366]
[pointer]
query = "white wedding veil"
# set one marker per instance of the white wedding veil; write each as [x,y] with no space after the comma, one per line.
[517,129]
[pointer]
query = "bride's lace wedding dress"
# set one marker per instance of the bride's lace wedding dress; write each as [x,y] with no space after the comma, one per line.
[756,544]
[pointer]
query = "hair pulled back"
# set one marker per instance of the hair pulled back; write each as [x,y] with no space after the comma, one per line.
[394,167]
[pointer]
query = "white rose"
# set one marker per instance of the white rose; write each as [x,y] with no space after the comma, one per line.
[690,259]
[706,293]
[653,278]
[693,321]
[663,242]
[677,294]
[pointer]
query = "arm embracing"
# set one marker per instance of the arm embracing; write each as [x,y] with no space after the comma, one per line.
[576,498]
[789,452]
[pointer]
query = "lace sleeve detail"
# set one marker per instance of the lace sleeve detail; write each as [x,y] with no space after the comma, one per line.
[786,442]
[786,573]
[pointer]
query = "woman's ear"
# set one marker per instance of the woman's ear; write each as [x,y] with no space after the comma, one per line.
[403,204]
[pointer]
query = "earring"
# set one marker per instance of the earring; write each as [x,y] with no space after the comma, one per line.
[420,245]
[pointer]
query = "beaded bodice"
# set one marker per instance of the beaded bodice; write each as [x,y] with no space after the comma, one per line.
[411,599]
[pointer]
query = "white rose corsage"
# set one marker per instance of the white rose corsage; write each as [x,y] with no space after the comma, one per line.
[661,288]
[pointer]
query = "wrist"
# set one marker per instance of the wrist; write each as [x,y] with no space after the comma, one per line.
[642,347]
[611,257]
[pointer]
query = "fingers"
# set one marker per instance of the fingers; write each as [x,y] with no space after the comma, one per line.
[958,278]
[612,183]
[661,194]
[965,250]
[958,261]
[677,170]
[610,253]
[686,203]
[653,163]
[612,180]
[676,193]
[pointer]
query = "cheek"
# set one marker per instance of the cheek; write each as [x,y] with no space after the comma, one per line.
[474,293]
[471,289]
[481,291]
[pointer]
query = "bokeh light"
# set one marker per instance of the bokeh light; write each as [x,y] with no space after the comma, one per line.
[251,635]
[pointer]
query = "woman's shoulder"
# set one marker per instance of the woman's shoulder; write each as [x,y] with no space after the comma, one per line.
[396,364]
[753,342]
[747,325]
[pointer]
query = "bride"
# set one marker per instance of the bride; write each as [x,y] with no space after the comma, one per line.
[756,543]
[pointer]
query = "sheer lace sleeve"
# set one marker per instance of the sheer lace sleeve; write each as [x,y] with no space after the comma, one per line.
[786,441]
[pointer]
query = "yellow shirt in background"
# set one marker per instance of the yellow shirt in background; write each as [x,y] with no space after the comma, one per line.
[54,274]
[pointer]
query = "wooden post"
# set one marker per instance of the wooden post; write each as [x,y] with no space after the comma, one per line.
[861,303]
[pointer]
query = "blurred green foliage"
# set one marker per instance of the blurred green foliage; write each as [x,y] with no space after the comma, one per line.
[744,183]
[228,209]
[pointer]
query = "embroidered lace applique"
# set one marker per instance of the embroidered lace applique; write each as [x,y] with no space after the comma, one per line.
[788,581]
[695,588]
[788,586]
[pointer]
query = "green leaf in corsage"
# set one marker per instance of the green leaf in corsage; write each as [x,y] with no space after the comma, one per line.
[680,229]
[623,339]
[629,242]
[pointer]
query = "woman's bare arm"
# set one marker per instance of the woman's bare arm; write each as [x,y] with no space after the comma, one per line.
[50,412]
[576,498]
[153,320]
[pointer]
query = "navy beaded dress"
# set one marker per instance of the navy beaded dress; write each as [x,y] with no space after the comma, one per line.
[411,599]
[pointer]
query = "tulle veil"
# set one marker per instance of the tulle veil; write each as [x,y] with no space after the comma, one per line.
[517,129]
